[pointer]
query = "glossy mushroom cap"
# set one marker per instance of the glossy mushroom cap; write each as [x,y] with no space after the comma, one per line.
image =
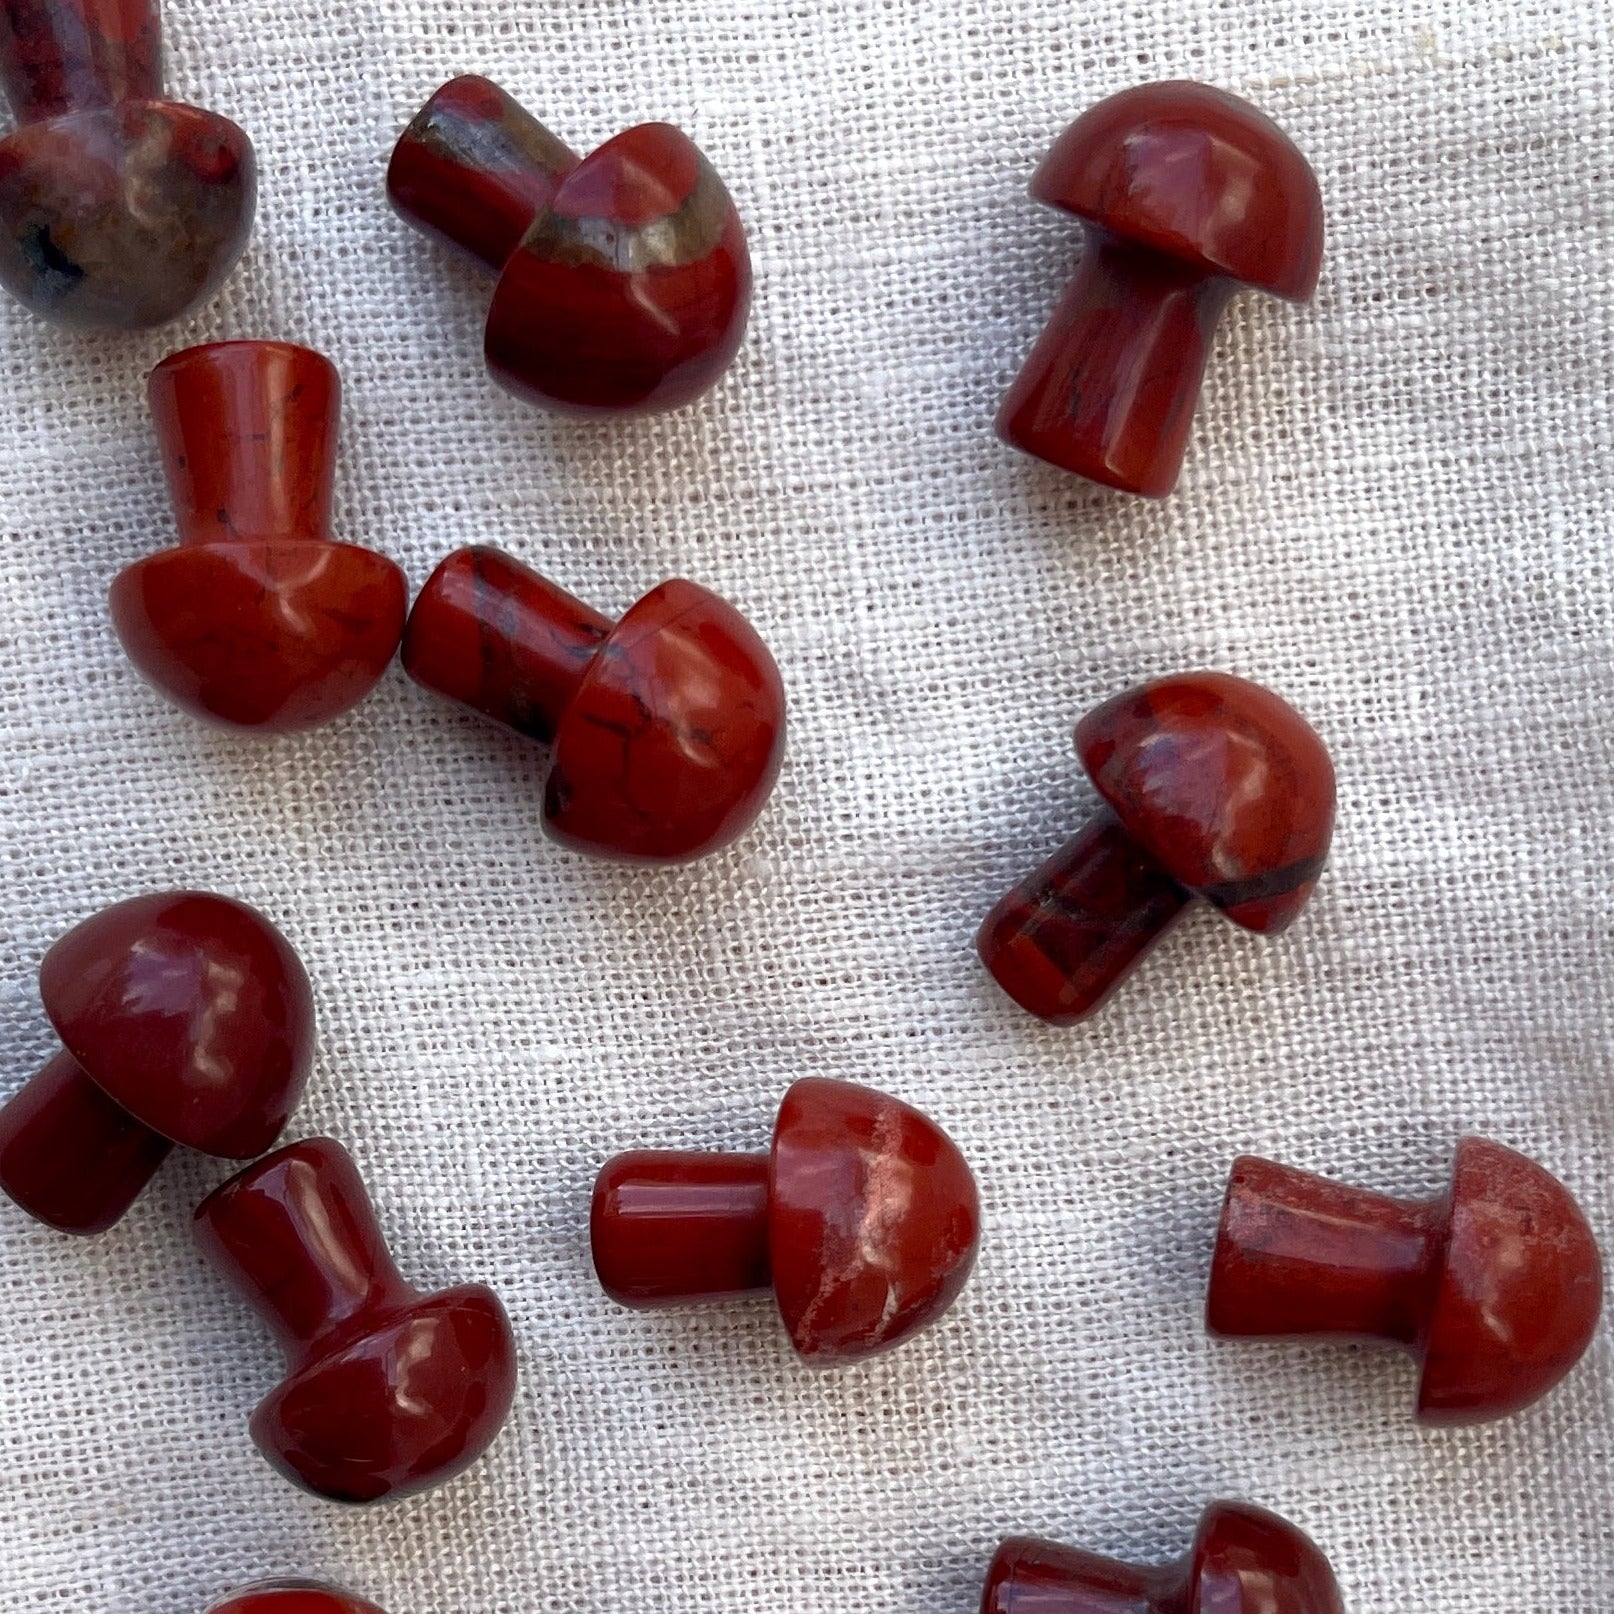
[1244,1560]
[1196,174]
[259,619]
[1224,784]
[292,1597]
[388,1390]
[873,1220]
[674,741]
[1518,1289]
[118,209]
[191,1012]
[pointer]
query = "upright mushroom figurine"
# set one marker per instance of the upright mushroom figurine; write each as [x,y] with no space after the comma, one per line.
[1214,788]
[118,209]
[1187,194]
[292,1597]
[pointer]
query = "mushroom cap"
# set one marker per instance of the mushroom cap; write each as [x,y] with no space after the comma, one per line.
[873,1220]
[1225,785]
[630,292]
[1518,1292]
[292,1597]
[672,743]
[123,217]
[403,1407]
[191,1012]
[1248,1561]
[1198,175]
[262,633]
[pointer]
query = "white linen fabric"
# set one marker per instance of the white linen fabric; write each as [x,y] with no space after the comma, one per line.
[1396,511]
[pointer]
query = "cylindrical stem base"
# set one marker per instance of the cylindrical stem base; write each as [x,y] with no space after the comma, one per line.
[248,438]
[1299,1255]
[61,56]
[297,1236]
[474,168]
[69,1155]
[668,1227]
[1110,388]
[1065,938]
[493,635]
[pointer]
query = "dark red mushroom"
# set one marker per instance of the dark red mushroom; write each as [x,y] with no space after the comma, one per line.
[259,619]
[186,1018]
[117,208]
[667,727]
[863,1220]
[624,280]
[1187,194]
[292,1597]
[388,1391]
[1214,788]
[1244,1560]
[1496,1285]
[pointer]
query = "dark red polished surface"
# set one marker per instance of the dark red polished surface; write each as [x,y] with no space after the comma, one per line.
[293,1597]
[667,727]
[1187,194]
[863,1219]
[1244,1560]
[187,1019]
[259,619]
[624,279]
[388,1390]
[1214,788]
[117,208]
[1496,1285]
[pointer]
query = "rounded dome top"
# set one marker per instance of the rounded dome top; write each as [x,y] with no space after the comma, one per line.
[1197,174]
[1225,785]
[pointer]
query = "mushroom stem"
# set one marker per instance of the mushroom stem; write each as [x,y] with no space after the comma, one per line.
[474,168]
[490,633]
[1299,1255]
[61,56]
[1109,390]
[72,1157]
[297,1235]
[1069,934]
[248,438]
[668,1227]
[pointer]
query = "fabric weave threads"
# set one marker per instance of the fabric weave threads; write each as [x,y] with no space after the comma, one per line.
[1396,511]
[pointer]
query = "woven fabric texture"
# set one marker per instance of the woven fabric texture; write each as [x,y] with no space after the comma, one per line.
[1396,511]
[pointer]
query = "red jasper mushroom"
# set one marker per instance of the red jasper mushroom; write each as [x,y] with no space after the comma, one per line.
[624,281]
[666,727]
[1244,1560]
[388,1391]
[186,1019]
[293,1597]
[1496,1285]
[862,1219]
[1187,194]
[118,209]
[259,619]
[1213,788]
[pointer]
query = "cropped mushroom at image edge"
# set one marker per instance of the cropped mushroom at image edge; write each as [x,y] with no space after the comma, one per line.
[292,1597]
[1214,789]
[118,209]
